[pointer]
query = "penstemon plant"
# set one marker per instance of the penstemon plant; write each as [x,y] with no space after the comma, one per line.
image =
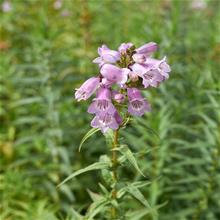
[123,74]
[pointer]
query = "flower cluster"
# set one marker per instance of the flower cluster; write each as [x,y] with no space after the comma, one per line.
[122,74]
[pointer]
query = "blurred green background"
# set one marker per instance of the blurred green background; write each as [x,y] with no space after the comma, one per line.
[46,51]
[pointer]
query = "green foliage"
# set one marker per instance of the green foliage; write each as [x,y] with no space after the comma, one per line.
[95,166]
[88,135]
[44,56]
[125,151]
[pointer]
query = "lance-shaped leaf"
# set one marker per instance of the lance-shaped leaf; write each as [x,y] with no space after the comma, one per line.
[96,207]
[138,184]
[94,166]
[76,215]
[94,196]
[126,152]
[139,214]
[137,194]
[104,190]
[87,135]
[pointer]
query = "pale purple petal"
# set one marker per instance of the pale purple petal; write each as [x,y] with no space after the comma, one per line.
[87,88]
[164,68]
[150,74]
[109,58]
[105,121]
[106,83]
[134,93]
[124,78]
[124,47]
[138,107]
[159,65]
[111,72]
[102,48]
[114,74]
[97,60]
[139,58]
[98,106]
[137,104]
[146,84]
[106,55]
[138,69]
[118,118]
[147,49]
[102,103]
[154,63]
[95,122]
[92,108]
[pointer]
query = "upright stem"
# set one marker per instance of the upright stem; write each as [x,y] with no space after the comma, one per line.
[114,171]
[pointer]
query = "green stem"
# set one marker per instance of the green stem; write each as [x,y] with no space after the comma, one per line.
[114,171]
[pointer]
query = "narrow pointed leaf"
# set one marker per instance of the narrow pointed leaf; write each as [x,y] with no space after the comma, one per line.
[125,151]
[76,215]
[137,185]
[96,207]
[87,135]
[139,214]
[94,166]
[94,196]
[136,193]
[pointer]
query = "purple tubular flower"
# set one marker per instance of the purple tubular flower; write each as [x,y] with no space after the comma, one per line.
[137,104]
[87,88]
[105,121]
[124,47]
[160,65]
[106,56]
[102,103]
[151,76]
[147,49]
[115,74]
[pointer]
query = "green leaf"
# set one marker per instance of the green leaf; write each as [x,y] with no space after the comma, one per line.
[139,214]
[138,184]
[104,190]
[137,194]
[87,135]
[94,196]
[76,215]
[94,166]
[126,152]
[96,207]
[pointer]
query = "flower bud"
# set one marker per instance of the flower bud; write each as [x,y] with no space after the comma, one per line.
[124,47]
[133,77]
[118,97]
